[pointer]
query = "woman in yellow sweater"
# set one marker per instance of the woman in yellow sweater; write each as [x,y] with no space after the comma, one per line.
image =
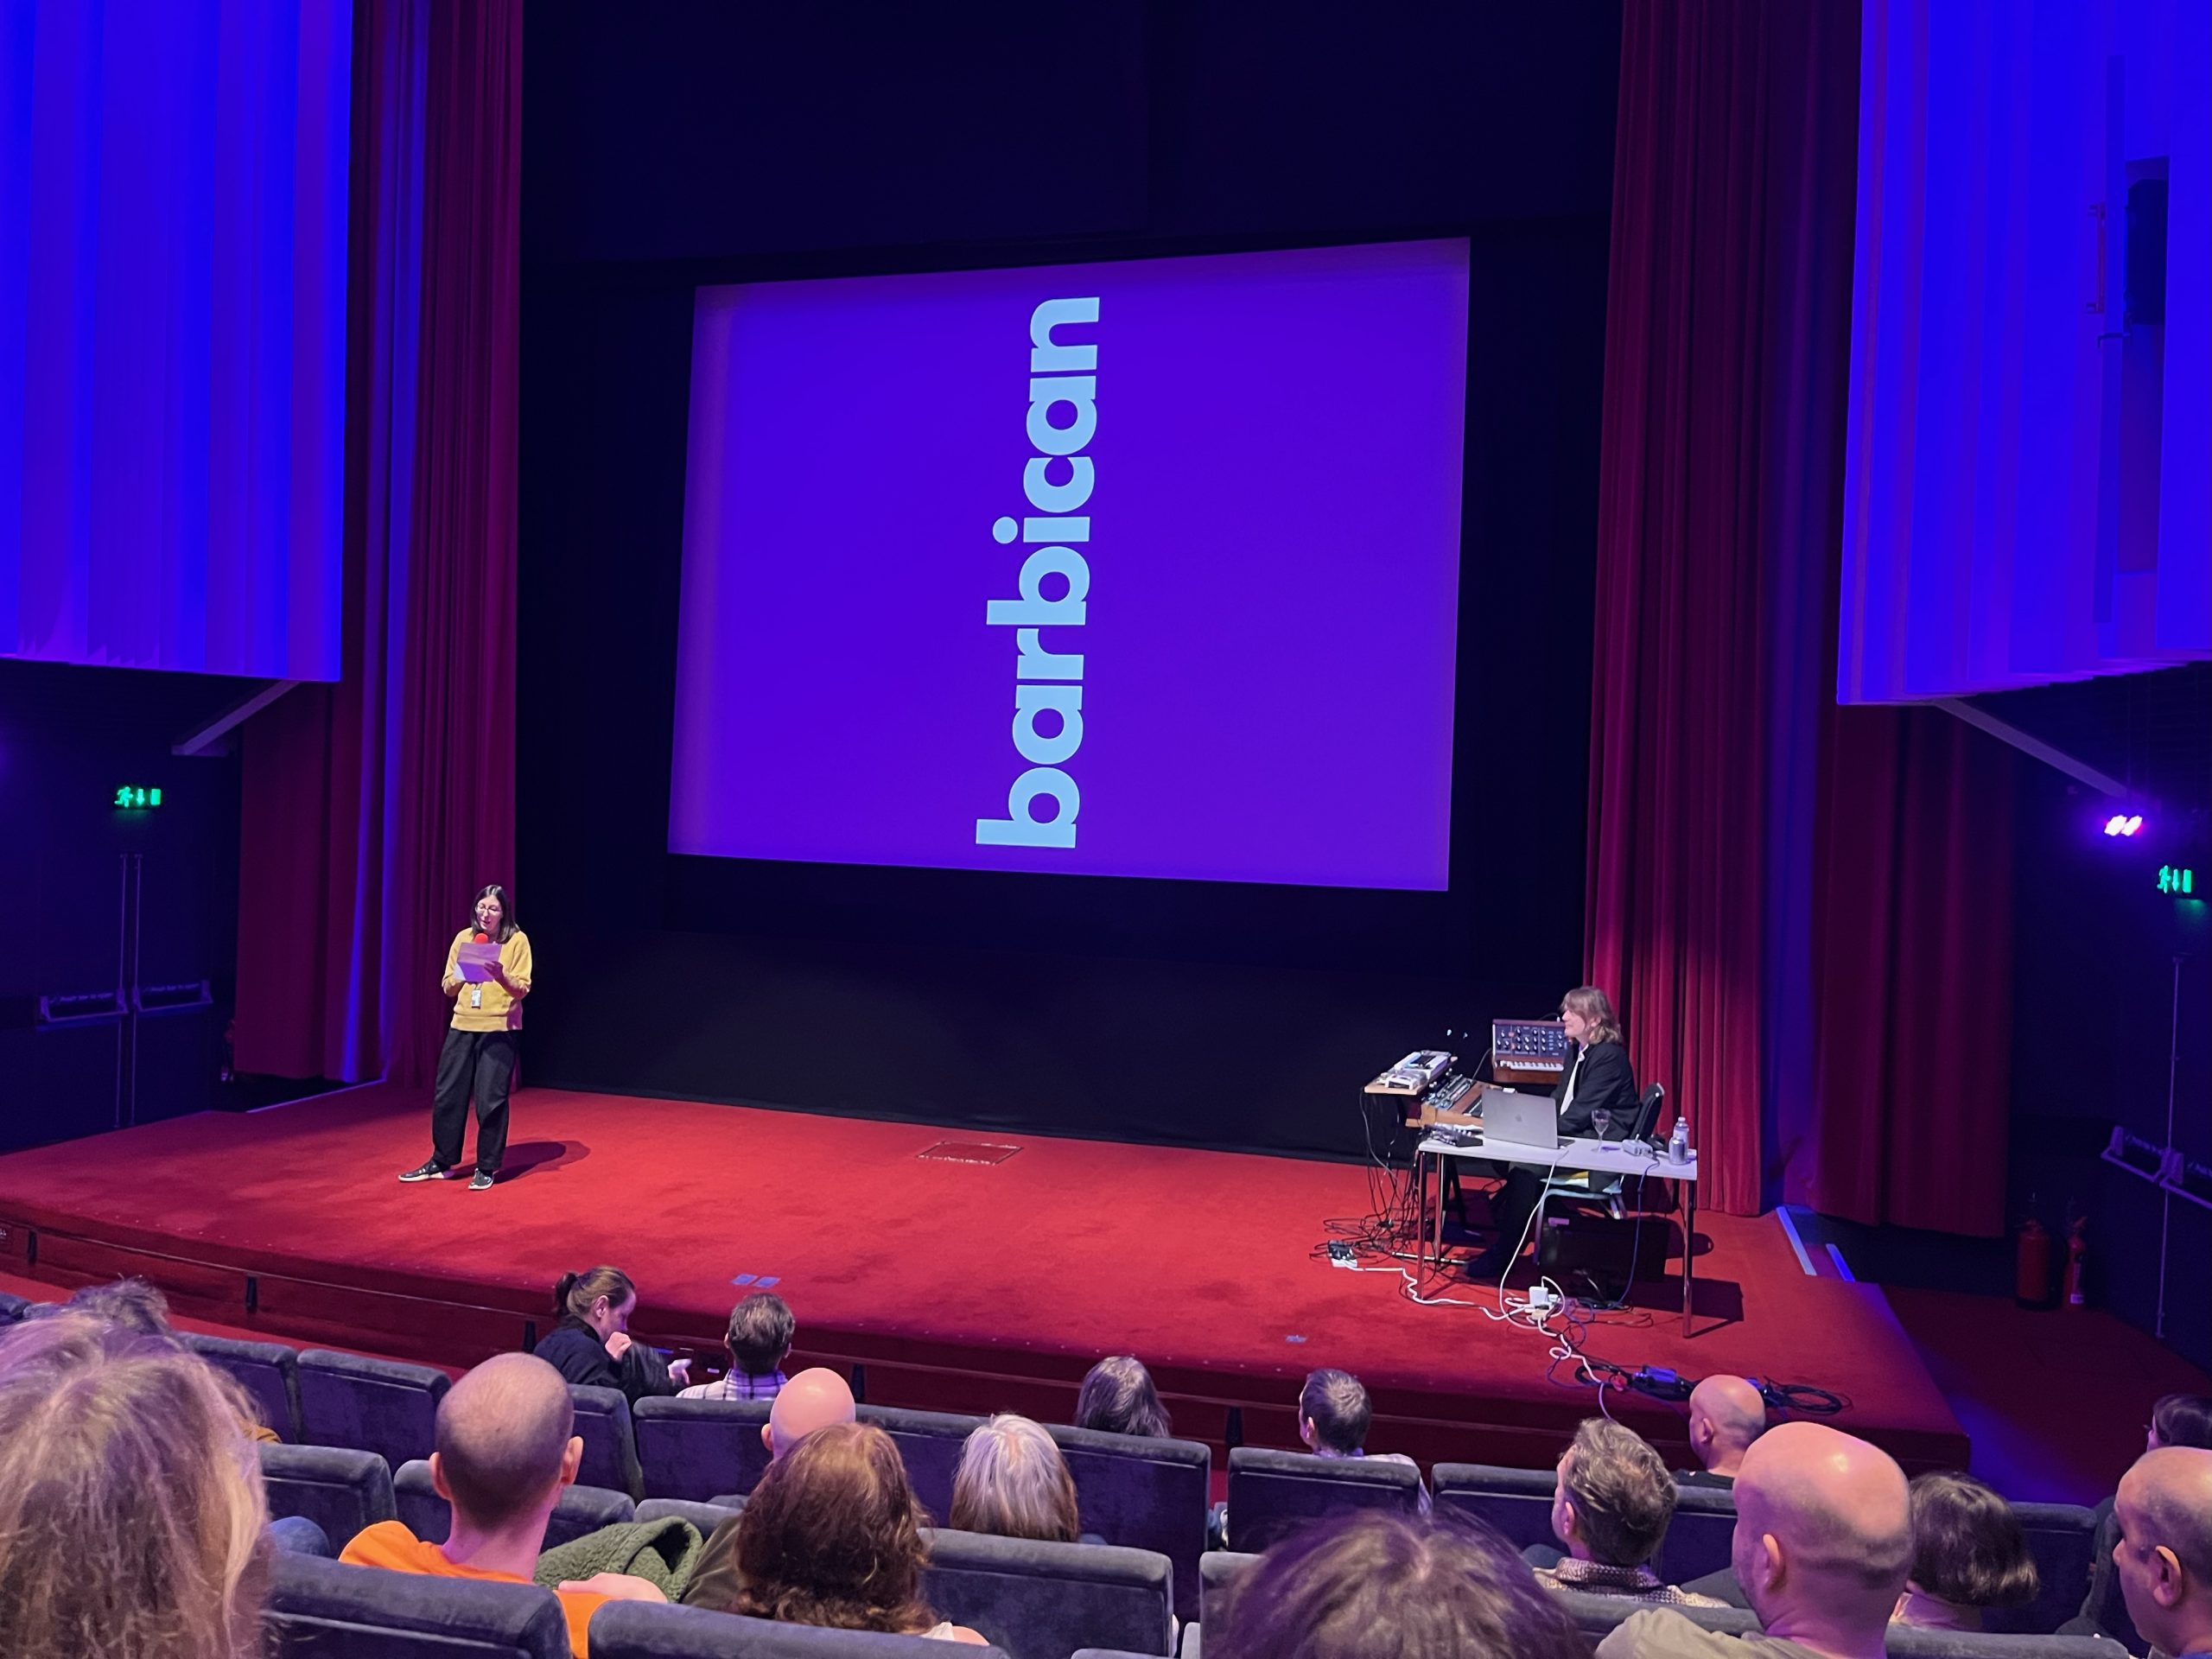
[478,1057]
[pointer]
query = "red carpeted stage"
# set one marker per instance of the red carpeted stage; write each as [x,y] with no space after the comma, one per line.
[957,1286]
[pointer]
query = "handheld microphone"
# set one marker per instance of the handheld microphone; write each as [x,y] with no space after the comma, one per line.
[482,938]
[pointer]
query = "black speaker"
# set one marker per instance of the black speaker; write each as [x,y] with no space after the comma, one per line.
[2146,252]
[1584,1252]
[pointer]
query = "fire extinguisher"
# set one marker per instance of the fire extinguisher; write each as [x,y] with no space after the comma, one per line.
[2077,1252]
[2032,1266]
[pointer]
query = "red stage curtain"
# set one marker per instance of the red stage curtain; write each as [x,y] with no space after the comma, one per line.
[1720,789]
[372,810]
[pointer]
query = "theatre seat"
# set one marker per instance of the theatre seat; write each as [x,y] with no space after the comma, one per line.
[1598,1616]
[385,1406]
[1220,1569]
[1517,1501]
[643,1629]
[269,1371]
[929,1445]
[12,1307]
[2063,1537]
[1271,1493]
[580,1509]
[1144,1494]
[1044,1600]
[697,1449]
[1702,1535]
[705,1516]
[610,1449]
[340,1489]
[326,1610]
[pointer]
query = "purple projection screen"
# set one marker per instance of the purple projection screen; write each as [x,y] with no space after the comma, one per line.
[1145,569]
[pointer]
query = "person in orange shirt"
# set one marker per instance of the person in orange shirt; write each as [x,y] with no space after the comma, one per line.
[505,1447]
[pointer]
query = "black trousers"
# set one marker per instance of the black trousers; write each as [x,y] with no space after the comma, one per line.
[1512,1204]
[482,1064]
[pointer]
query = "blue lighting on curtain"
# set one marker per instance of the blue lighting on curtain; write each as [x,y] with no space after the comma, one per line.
[173,222]
[2029,466]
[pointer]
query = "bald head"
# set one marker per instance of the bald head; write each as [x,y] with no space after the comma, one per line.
[814,1398]
[2164,1554]
[503,1435]
[1727,1414]
[1823,1535]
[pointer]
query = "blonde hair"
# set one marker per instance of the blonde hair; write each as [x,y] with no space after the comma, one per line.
[131,1514]
[1013,1482]
[1594,1005]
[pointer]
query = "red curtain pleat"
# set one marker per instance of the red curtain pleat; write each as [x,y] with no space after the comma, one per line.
[1777,890]
[374,808]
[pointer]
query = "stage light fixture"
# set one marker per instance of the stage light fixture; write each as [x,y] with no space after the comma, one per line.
[2123,823]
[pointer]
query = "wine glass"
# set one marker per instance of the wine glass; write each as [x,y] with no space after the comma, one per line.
[1602,1120]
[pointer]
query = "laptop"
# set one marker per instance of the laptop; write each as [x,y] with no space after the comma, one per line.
[1532,1120]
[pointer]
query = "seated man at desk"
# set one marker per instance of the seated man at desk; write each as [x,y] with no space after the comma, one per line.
[1598,1078]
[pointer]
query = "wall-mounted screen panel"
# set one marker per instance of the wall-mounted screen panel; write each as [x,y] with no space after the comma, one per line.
[1143,568]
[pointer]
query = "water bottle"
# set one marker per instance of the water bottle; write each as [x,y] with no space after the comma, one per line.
[1678,1144]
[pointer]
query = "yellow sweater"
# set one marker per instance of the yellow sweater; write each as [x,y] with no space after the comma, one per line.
[499,1010]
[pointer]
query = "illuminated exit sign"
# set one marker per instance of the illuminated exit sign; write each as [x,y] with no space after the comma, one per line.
[2172,879]
[137,795]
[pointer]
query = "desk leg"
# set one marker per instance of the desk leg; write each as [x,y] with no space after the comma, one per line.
[1436,1227]
[1689,1250]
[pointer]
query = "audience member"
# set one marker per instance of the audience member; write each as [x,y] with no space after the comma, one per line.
[131,1512]
[2177,1420]
[759,1340]
[831,1535]
[1727,1414]
[132,1305]
[1823,1540]
[2164,1559]
[592,1345]
[1609,1511]
[1013,1482]
[1118,1398]
[816,1398]
[1969,1553]
[138,1309]
[505,1447]
[1374,1585]
[1333,1418]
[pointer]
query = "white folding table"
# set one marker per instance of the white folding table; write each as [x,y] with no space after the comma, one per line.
[1581,1152]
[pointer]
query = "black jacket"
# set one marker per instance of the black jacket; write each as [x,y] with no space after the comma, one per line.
[574,1349]
[1607,1080]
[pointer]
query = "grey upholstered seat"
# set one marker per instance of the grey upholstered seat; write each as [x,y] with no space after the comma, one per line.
[699,1449]
[705,1516]
[2063,1537]
[324,1610]
[642,1630]
[929,1445]
[268,1371]
[1702,1537]
[610,1448]
[1517,1501]
[385,1406]
[1272,1493]
[340,1489]
[1144,1494]
[1044,1600]
[580,1509]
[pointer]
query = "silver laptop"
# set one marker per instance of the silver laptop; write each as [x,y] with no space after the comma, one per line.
[1530,1119]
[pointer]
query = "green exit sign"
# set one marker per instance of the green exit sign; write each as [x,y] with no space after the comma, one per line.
[2172,879]
[137,795]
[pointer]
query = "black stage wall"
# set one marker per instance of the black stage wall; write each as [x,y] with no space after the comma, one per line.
[78,915]
[672,146]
